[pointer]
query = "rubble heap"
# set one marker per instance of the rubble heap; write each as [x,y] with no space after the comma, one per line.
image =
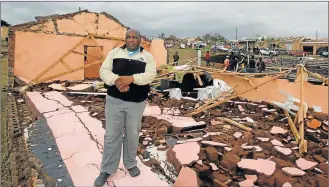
[238,143]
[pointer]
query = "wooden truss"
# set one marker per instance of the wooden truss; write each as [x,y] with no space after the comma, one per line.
[39,78]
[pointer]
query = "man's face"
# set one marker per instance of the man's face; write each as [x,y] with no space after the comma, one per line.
[132,41]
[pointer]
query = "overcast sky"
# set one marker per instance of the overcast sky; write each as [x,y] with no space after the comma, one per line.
[191,19]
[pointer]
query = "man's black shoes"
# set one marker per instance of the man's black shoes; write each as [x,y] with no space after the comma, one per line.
[101,179]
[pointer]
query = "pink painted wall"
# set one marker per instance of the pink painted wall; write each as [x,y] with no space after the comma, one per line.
[159,52]
[34,52]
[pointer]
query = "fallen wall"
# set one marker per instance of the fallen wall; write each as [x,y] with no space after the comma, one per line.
[34,52]
[313,94]
[35,46]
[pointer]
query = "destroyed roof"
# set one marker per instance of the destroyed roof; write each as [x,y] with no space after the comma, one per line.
[43,19]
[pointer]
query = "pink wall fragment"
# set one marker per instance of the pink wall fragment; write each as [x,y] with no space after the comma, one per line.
[187,152]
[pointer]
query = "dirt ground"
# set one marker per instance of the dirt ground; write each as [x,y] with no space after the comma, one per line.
[18,166]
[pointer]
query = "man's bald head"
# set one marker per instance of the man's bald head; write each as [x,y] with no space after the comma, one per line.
[133,39]
[138,34]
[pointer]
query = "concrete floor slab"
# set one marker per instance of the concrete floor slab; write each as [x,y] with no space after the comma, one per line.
[79,138]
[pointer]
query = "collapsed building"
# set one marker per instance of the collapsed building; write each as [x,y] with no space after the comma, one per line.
[254,130]
[56,44]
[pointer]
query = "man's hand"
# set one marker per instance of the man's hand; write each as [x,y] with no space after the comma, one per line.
[123,89]
[124,81]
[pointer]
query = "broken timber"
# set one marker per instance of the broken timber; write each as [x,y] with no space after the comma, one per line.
[237,124]
[302,145]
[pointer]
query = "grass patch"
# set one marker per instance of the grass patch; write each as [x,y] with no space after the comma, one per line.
[5,171]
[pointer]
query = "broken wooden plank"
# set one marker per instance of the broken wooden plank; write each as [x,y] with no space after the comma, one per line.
[199,79]
[318,76]
[292,126]
[66,65]
[68,72]
[302,145]
[237,124]
[98,47]
[250,74]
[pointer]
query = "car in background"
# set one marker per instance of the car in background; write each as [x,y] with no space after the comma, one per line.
[264,51]
[220,48]
[273,52]
[324,54]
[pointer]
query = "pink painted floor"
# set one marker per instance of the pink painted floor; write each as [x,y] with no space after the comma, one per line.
[82,156]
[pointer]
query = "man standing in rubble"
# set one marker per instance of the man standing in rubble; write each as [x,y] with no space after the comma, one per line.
[127,71]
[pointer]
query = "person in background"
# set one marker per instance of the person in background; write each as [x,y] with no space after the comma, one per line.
[176,58]
[261,65]
[251,67]
[232,56]
[127,71]
[226,63]
[233,64]
[207,57]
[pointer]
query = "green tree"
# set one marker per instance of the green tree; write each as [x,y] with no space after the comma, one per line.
[162,36]
[198,38]
[4,23]
[214,38]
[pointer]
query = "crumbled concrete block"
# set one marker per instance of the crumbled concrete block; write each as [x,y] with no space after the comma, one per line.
[278,130]
[211,153]
[237,135]
[284,151]
[263,139]
[187,178]
[305,164]
[213,166]
[276,142]
[263,166]
[294,172]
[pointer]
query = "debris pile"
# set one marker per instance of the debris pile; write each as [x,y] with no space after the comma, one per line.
[224,154]
[237,143]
